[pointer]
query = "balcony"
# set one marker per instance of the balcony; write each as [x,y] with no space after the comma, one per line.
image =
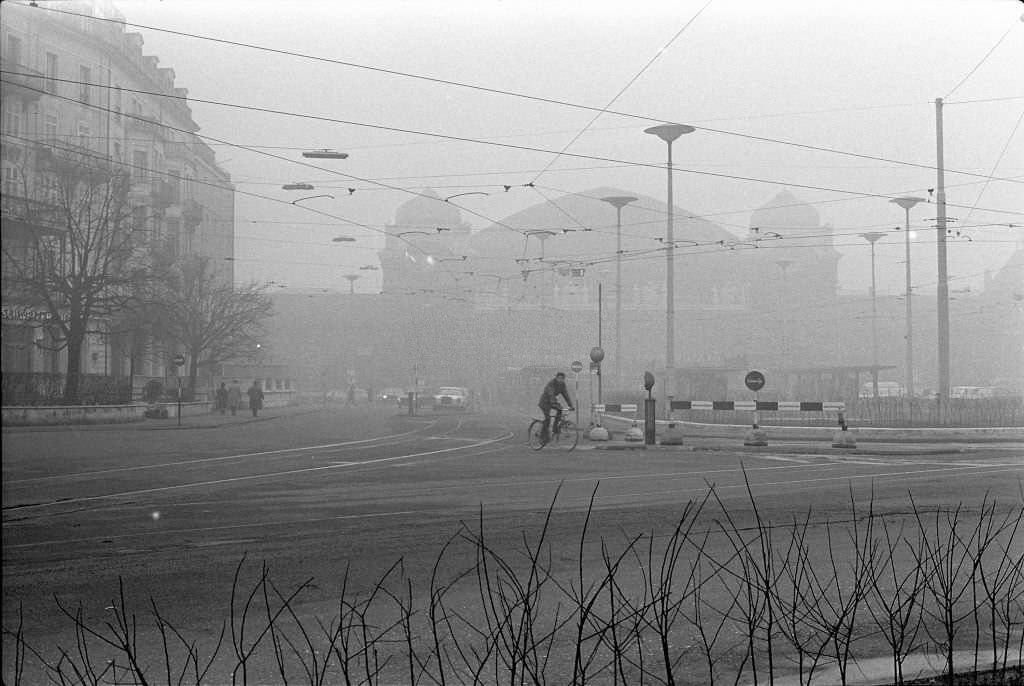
[146,125]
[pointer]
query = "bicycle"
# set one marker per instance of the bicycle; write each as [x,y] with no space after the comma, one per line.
[564,434]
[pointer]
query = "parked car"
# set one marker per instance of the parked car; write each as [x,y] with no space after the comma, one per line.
[451,397]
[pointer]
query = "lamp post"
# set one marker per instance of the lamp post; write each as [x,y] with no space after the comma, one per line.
[872,237]
[618,202]
[906,203]
[668,133]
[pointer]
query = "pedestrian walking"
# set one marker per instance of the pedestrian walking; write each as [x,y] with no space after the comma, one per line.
[221,398]
[255,394]
[234,397]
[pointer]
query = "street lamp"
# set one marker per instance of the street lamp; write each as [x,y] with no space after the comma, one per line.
[872,237]
[325,154]
[618,202]
[668,133]
[351,282]
[906,203]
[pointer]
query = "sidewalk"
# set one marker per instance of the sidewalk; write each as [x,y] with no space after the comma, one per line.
[206,420]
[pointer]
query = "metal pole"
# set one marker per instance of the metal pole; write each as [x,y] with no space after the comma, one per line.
[874,326]
[670,282]
[943,288]
[908,374]
[618,293]
[599,326]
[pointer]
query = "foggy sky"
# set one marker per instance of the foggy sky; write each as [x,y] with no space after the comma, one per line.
[851,77]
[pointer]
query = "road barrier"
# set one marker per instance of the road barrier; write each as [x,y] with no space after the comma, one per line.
[618,415]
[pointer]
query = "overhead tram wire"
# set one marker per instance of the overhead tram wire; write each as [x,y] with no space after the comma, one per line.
[485,89]
[272,156]
[462,139]
[983,60]
[622,90]
[788,184]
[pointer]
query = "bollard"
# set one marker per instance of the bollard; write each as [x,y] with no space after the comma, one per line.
[756,437]
[650,410]
[673,435]
[843,438]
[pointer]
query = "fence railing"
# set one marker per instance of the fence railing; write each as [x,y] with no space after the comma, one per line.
[40,388]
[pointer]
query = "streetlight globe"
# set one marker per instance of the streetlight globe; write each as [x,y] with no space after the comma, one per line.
[907,201]
[618,201]
[872,236]
[669,132]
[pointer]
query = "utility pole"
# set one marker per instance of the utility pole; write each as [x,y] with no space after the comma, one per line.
[943,287]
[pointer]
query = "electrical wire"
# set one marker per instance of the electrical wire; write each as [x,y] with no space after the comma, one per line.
[472,86]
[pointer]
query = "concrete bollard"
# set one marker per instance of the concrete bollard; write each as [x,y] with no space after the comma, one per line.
[843,439]
[673,435]
[634,433]
[756,437]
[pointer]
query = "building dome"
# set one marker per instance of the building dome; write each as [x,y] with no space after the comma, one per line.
[428,211]
[785,214]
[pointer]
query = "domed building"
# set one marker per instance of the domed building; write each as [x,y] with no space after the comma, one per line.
[796,261]
[427,233]
[555,255]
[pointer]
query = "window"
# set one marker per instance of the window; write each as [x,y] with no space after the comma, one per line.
[12,181]
[50,127]
[140,164]
[84,134]
[14,49]
[52,72]
[12,117]
[84,78]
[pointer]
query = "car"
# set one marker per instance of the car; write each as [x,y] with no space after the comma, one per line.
[392,395]
[451,397]
[424,398]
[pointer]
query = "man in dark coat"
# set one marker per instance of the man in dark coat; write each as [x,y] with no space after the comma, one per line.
[255,398]
[549,401]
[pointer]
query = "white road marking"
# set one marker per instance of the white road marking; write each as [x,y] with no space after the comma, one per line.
[202,460]
[250,477]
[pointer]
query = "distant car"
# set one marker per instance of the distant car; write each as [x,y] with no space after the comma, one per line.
[424,398]
[392,395]
[451,397]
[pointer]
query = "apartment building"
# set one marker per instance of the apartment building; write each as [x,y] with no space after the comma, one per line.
[76,81]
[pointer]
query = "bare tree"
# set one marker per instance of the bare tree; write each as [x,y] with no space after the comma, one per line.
[193,307]
[77,256]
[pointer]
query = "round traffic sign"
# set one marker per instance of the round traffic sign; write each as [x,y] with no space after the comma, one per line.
[754,380]
[576,366]
[179,360]
[596,354]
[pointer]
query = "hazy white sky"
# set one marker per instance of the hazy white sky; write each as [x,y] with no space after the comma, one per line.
[852,77]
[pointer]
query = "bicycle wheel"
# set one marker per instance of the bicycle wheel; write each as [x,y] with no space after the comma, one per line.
[568,436]
[534,433]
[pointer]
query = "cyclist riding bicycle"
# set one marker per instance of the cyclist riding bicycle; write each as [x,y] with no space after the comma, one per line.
[549,401]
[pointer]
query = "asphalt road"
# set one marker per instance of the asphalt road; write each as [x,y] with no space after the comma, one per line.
[173,511]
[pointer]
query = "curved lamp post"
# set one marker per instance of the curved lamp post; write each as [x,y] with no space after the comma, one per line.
[618,202]
[873,237]
[668,133]
[906,203]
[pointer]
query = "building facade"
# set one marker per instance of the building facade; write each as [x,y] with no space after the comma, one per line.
[77,83]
